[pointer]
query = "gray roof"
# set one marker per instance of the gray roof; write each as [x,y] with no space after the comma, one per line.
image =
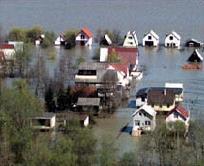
[92,66]
[45,115]
[84,101]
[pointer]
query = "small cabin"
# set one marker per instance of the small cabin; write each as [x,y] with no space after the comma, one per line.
[8,50]
[130,40]
[172,40]
[150,39]
[84,37]
[18,45]
[195,57]
[144,119]
[179,113]
[59,41]
[45,122]
[193,43]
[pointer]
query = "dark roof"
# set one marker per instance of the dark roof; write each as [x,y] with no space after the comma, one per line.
[195,57]
[142,92]
[162,96]
[6,46]
[127,55]
[193,43]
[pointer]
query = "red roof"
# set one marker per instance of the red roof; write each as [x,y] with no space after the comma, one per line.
[182,111]
[127,55]
[6,46]
[87,32]
[120,67]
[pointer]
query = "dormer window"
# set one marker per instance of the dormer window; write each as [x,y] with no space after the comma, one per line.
[171,38]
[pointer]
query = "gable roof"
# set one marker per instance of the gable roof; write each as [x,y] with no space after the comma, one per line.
[6,46]
[181,110]
[195,57]
[127,55]
[151,32]
[176,35]
[87,32]
[147,109]
[161,96]
[85,101]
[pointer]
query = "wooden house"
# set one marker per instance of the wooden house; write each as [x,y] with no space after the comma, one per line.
[144,119]
[193,43]
[45,122]
[150,39]
[179,113]
[172,40]
[8,50]
[195,57]
[130,40]
[84,37]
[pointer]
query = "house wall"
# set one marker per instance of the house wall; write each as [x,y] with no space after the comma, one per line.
[170,43]
[142,118]
[88,41]
[86,121]
[130,41]
[153,39]
[9,53]
[103,54]
[172,118]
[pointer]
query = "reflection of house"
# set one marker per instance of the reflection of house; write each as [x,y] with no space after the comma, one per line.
[161,99]
[88,104]
[172,40]
[150,39]
[179,113]
[195,57]
[106,41]
[84,38]
[8,50]
[59,41]
[44,122]
[144,119]
[130,40]
[193,43]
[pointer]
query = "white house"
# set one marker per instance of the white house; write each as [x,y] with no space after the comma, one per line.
[144,119]
[84,37]
[130,40]
[172,40]
[179,113]
[18,45]
[59,41]
[8,50]
[150,39]
[195,57]
[39,40]
[44,122]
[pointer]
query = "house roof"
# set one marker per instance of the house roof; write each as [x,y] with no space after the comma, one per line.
[151,32]
[85,101]
[195,57]
[159,96]
[6,46]
[176,35]
[45,115]
[147,109]
[181,110]
[127,55]
[119,67]
[194,41]
[92,66]
[87,32]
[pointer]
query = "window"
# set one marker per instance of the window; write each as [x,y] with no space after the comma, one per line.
[175,115]
[140,113]
[130,42]
[170,37]
[143,99]
[168,105]
[160,106]
[149,37]
[147,123]
[130,37]
[87,72]
[82,36]
[137,123]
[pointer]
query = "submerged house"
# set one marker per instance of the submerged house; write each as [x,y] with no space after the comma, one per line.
[130,40]
[84,37]
[195,57]
[8,50]
[193,43]
[173,40]
[179,113]
[45,122]
[92,104]
[150,39]
[59,41]
[161,99]
[144,119]
[39,40]
[18,45]
[106,41]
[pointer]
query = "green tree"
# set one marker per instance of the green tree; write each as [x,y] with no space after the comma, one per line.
[70,38]
[33,33]
[17,34]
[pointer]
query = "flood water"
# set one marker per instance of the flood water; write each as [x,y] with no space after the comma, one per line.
[161,65]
